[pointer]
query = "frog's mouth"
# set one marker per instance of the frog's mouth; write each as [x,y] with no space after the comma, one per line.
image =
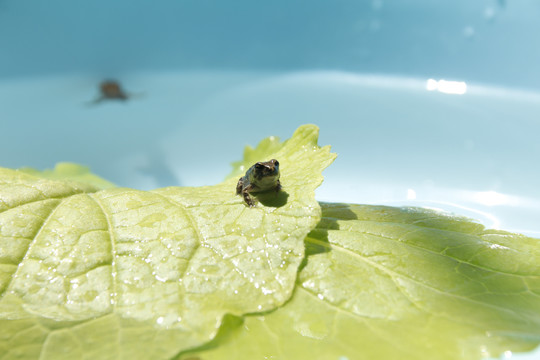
[271,172]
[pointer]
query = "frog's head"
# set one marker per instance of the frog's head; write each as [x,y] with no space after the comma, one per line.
[267,168]
[264,175]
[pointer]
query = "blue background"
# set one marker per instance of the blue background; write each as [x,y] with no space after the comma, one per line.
[486,41]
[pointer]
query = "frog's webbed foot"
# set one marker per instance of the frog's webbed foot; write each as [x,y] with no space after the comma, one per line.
[248,199]
[246,194]
[95,101]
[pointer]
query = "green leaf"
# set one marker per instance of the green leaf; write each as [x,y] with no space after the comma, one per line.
[121,273]
[399,283]
[71,172]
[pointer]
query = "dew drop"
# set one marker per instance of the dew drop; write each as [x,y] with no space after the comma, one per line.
[484,352]
[266,291]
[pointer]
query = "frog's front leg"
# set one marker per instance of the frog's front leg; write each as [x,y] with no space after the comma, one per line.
[248,199]
[247,196]
[278,186]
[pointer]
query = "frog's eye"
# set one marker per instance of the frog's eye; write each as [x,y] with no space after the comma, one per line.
[259,166]
[276,163]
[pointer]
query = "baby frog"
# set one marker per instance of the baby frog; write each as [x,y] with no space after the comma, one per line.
[262,176]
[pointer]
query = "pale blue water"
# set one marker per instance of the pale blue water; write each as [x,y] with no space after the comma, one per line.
[210,77]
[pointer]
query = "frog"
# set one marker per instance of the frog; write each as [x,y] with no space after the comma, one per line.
[263,176]
[111,90]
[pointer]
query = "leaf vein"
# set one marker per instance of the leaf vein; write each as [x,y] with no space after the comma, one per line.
[28,249]
[393,274]
[486,268]
[114,273]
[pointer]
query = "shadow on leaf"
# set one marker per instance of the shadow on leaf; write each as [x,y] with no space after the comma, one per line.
[272,198]
[316,242]
[229,326]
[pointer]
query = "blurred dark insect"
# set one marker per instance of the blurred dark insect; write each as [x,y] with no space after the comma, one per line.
[111,90]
